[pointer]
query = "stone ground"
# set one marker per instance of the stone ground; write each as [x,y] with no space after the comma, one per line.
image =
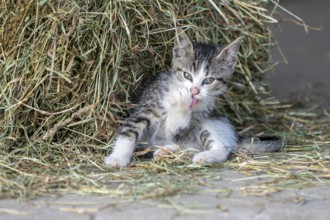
[234,195]
[231,197]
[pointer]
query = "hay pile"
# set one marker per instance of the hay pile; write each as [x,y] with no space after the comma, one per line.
[68,70]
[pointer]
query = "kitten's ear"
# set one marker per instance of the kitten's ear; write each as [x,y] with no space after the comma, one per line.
[227,57]
[182,45]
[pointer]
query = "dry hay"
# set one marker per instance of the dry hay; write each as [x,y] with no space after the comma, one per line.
[67,73]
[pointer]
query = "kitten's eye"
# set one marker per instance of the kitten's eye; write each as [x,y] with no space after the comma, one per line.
[208,80]
[187,76]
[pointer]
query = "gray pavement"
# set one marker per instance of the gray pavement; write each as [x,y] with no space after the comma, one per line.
[234,196]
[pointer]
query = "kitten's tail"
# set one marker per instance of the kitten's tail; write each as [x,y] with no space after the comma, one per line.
[257,145]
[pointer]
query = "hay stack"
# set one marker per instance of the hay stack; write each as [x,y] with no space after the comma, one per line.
[68,68]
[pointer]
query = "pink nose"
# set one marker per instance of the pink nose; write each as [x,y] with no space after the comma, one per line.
[194,91]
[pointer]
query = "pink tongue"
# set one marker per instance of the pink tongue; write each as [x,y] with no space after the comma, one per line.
[193,102]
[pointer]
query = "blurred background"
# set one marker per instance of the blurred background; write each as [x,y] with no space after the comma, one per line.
[306,77]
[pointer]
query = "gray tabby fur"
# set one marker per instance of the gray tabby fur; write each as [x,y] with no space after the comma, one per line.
[177,109]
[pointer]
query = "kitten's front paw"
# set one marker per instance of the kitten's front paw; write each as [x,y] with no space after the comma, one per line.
[114,161]
[184,97]
[207,157]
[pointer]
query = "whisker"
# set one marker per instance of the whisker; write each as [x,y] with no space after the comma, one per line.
[208,102]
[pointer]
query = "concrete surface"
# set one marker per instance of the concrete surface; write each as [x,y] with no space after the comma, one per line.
[233,196]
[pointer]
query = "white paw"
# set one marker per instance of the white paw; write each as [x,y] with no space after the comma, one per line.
[183,97]
[186,95]
[184,92]
[208,157]
[161,152]
[115,161]
[164,150]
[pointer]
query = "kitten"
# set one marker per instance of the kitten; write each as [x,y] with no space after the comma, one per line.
[177,109]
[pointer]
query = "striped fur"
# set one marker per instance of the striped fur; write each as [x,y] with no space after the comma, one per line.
[177,108]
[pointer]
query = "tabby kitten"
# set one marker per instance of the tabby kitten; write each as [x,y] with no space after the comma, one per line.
[177,109]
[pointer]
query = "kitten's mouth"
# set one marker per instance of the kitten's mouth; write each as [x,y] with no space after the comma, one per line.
[193,102]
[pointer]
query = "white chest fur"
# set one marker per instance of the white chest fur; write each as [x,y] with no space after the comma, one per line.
[175,120]
[178,113]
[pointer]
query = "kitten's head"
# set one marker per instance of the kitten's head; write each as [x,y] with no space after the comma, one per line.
[203,69]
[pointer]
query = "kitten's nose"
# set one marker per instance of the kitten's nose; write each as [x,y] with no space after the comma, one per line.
[194,91]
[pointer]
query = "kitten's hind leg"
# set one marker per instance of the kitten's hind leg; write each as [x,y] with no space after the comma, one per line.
[218,138]
[165,150]
[214,155]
